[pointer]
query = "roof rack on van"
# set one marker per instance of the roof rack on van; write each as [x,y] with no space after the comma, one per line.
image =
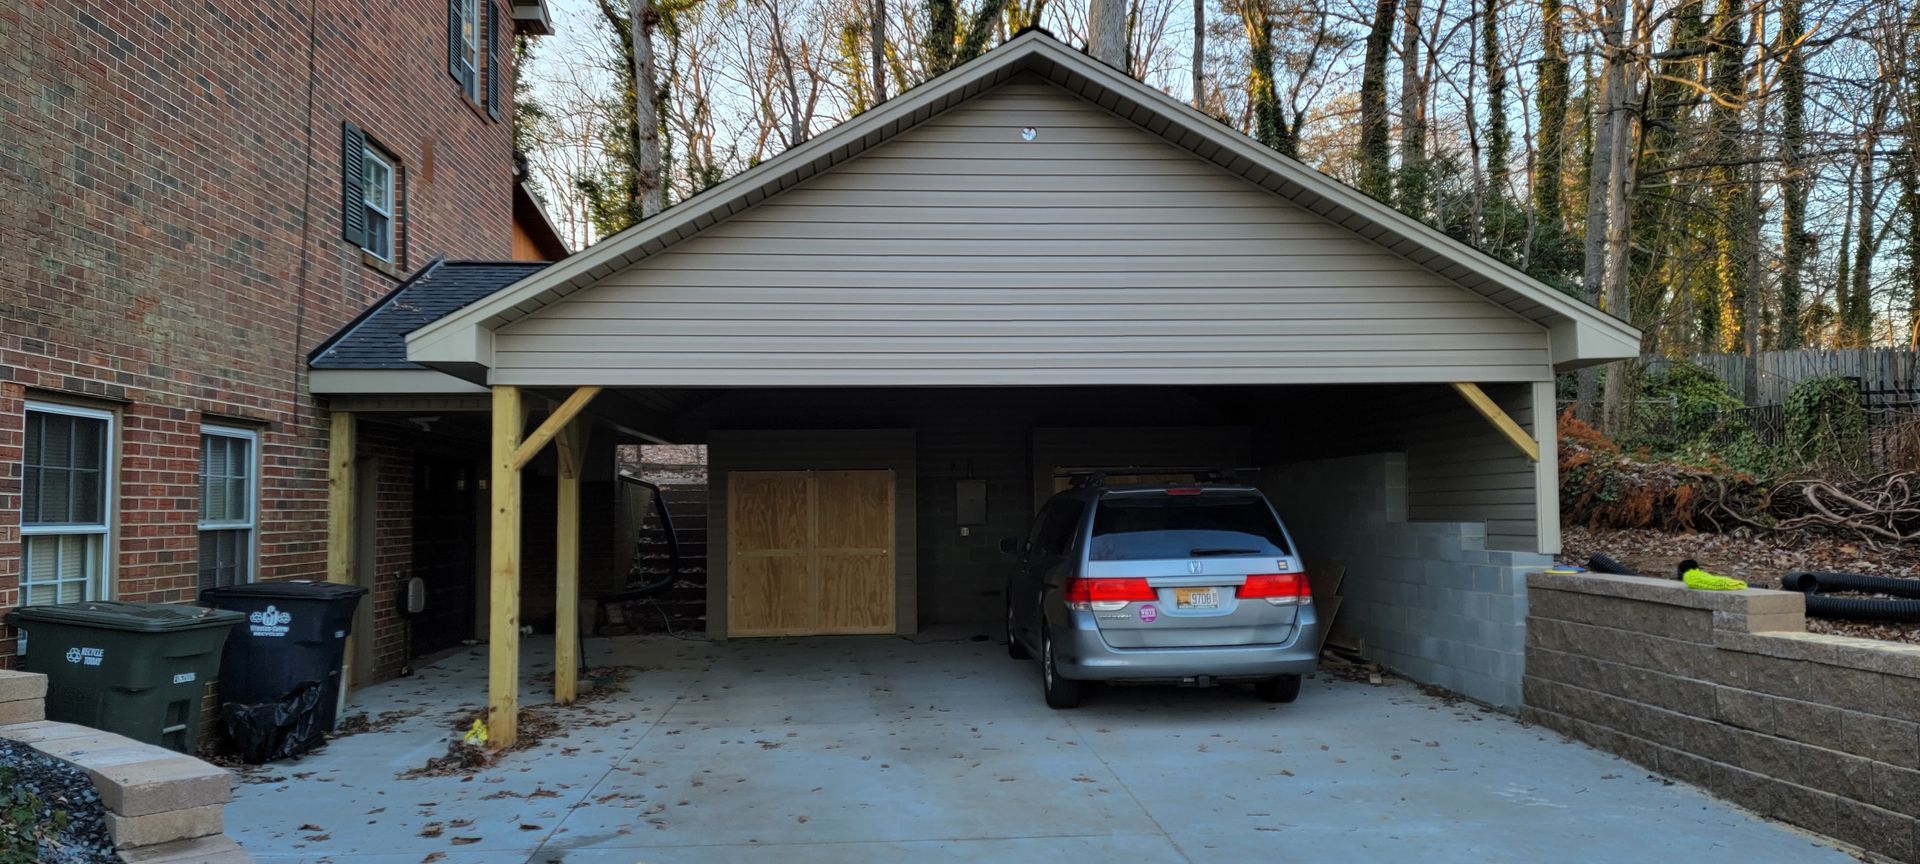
[1082,477]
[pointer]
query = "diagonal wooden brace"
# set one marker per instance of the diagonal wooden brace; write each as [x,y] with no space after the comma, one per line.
[1491,410]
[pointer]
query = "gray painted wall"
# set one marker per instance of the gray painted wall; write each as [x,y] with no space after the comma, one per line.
[960,254]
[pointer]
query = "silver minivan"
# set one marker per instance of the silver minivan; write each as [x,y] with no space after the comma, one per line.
[1195,584]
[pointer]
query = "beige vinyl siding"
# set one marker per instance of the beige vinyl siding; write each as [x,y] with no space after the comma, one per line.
[959,254]
[1460,469]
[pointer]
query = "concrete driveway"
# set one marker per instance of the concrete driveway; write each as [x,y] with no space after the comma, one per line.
[885,749]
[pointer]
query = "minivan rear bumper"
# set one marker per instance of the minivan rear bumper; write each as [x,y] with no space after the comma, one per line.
[1084,655]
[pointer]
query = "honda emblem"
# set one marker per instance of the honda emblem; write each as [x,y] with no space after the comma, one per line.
[1193,567]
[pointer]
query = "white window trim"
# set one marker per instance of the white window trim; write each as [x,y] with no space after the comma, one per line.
[109,475]
[252,523]
[369,152]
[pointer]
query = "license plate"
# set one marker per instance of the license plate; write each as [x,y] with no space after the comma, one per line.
[1196,598]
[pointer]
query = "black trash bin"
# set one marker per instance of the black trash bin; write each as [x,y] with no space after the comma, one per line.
[136,669]
[290,645]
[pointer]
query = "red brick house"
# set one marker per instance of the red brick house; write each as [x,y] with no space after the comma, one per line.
[193,195]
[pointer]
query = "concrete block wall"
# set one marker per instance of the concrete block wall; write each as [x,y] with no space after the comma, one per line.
[1727,691]
[1427,600]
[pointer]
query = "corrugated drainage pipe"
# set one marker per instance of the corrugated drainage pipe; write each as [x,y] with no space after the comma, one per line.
[1816,580]
[1856,608]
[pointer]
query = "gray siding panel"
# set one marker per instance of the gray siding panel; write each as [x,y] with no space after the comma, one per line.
[1460,469]
[960,254]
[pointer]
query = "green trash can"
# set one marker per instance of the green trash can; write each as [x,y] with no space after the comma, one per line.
[136,669]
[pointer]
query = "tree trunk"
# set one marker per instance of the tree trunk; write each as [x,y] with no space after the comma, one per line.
[1858,323]
[1618,148]
[1728,81]
[877,36]
[1499,142]
[1551,96]
[1376,177]
[1263,96]
[1794,238]
[1413,113]
[646,116]
[1107,32]
[1200,54]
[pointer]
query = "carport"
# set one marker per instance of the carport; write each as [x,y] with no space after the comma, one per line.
[892,336]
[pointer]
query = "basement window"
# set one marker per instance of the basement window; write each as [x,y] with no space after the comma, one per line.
[227,511]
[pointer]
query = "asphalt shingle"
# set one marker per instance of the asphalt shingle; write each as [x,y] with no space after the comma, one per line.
[378,338]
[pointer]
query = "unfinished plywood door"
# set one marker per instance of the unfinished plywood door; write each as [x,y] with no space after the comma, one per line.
[809,552]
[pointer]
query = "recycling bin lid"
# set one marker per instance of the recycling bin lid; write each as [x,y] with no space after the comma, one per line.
[296,589]
[133,617]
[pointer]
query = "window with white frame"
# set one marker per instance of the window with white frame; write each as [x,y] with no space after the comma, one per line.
[469,47]
[378,196]
[227,505]
[65,503]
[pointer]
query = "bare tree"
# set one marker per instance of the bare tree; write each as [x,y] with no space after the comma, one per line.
[1376,172]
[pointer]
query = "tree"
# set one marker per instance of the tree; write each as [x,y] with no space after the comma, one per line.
[1550,94]
[1413,184]
[1376,171]
[1263,97]
[1794,237]
[1499,140]
[1107,32]
[1200,54]
[1721,315]
[877,38]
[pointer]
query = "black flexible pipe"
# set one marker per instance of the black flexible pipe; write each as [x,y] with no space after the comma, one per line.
[1815,580]
[1603,564]
[1863,608]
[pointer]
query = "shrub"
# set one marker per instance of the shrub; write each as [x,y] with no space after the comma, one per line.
[1826,424]
[1699,398]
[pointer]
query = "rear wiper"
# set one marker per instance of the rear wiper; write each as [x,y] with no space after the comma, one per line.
[1221,550]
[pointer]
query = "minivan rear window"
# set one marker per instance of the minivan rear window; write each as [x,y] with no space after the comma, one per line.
[1144,527]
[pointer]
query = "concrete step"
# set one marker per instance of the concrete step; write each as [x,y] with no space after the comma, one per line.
[219,849]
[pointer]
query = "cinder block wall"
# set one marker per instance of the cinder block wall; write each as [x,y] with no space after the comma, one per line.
[1425,599]
[1727,691]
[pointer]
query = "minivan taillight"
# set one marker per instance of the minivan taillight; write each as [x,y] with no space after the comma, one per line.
[1106,595]
[1279,589]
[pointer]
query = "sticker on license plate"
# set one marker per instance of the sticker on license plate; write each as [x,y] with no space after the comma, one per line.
[1196,598]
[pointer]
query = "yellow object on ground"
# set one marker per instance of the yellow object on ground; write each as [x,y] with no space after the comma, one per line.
[477,735]
[1701,580]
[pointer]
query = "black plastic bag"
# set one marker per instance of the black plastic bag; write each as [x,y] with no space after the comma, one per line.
[269,731]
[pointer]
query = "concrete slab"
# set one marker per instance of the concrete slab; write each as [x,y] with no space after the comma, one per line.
[886,749]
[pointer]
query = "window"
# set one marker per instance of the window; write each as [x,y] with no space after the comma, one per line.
[65,499]
[464,38]
[1138,527]
[226,505]
[378,197]
[1057,528]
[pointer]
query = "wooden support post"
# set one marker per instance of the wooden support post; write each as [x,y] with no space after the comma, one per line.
[571,444]
[340,517]
[1491,410]
[503,630]
[555,422]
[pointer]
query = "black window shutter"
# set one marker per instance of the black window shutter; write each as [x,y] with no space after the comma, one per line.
[353,202]
[453,41]
[400,227]
[492,41]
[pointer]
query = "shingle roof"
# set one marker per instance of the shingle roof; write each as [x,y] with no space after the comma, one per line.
[378,338]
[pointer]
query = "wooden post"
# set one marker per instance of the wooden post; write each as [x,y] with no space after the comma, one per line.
[571,446]
[503,630]
[340,516]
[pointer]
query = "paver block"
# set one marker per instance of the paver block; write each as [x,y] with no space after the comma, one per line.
[218,849]
[15,686]
[45,730]
[177,783]
[156,828]
[22,711]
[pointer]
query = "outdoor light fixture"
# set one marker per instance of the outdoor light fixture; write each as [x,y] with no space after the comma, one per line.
[1029,133]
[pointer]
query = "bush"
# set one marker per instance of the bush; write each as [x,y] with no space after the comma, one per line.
[1700,403]
[1826,424]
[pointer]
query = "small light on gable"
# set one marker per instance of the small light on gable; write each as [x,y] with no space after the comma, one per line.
[1029,133]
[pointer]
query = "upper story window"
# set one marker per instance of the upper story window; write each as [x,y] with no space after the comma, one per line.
[378,197]
[474,48]
[373,209]
[65,504]
[227,505]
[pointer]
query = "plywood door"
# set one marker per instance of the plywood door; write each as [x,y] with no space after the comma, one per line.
[809,552]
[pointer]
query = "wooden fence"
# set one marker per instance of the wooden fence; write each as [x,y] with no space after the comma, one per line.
[1886,375]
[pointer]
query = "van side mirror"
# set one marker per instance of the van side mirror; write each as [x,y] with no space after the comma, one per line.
[1010,545]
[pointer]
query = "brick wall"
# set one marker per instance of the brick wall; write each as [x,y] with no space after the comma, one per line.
[170,197]
[1425,599]
[1727,691]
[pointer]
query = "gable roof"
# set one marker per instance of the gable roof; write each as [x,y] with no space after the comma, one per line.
[377,338]
[461,342]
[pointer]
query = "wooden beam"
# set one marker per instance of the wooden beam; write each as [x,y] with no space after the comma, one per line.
[340,518]
[1491,410]
[503,630]
[572,443]
[555,422]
